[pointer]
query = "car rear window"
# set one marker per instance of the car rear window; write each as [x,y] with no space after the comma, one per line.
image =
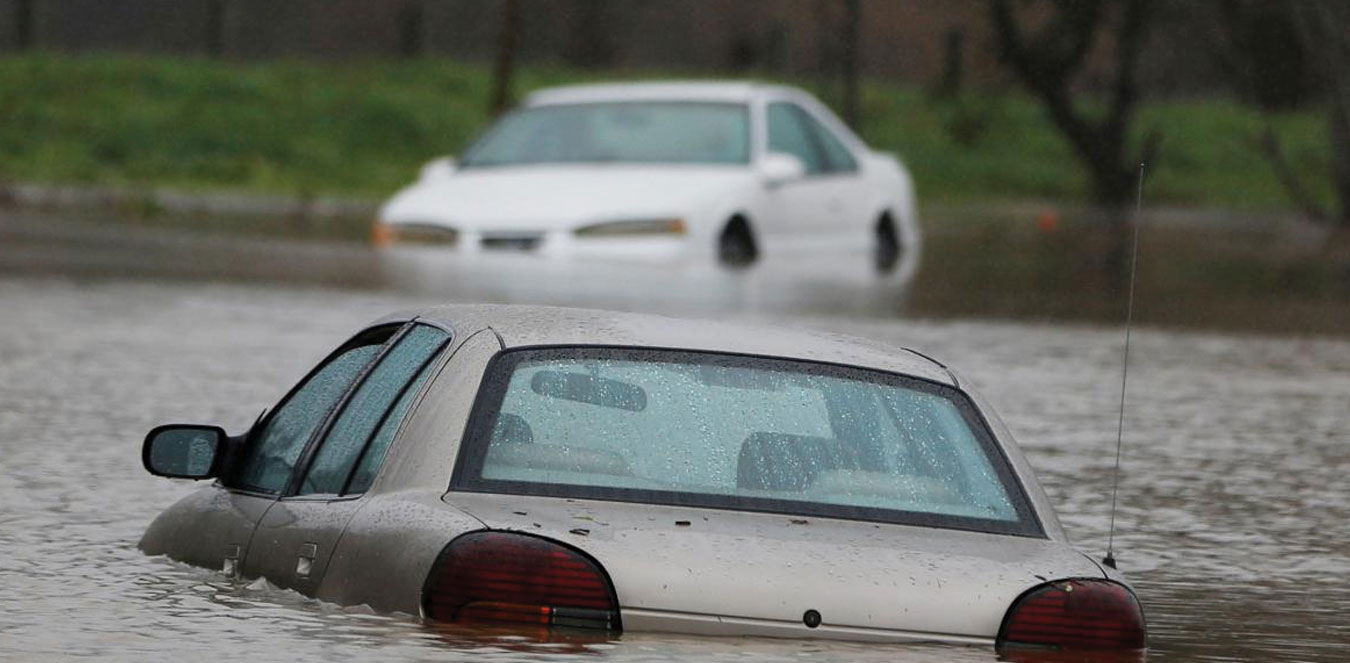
[736,432]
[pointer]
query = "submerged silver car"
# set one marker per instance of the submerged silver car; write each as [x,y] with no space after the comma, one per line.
[584,469]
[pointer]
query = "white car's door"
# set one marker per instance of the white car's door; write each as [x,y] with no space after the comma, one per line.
[828,207]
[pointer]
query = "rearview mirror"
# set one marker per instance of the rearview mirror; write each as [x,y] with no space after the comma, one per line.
[182,451]
[585,388]
[780,167]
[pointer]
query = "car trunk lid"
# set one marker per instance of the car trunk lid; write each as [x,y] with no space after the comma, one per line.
[718,571]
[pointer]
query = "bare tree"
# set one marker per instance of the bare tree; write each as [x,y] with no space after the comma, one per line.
[23,24]
[410,29]
[215,28]
[592,29]
[852,105]
[1325,28]
[504,67]
[1320,31]
[1049,60]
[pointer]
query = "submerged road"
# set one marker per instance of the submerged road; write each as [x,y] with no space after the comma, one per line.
[1233,498]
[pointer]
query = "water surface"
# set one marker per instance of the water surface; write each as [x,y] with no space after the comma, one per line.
[1233,498]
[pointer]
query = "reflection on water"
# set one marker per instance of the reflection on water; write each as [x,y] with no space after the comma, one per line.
[1233,494]
[842,284]
[1270,276]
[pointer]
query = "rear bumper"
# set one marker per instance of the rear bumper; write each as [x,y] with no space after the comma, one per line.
[661,621]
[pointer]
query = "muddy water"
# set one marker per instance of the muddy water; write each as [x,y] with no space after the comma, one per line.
[1233,499]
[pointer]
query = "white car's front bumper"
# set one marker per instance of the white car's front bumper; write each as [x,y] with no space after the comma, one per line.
[564,243]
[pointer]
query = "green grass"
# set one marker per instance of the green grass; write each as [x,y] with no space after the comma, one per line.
[1009,150]
[363,130]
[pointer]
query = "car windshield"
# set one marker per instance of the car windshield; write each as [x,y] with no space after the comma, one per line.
[627,132]
[735,432]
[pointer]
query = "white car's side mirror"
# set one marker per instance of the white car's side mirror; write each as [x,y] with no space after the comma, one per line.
[438,169]
[780,167]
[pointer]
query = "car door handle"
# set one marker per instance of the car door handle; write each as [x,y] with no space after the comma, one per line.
[304,564]
[230,565]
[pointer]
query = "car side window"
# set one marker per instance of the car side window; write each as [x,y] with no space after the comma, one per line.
[838,156]
[362,431]
[790,134]
[271,458]
[373,456]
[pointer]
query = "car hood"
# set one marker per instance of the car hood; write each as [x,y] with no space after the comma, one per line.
[559,197]
[766,569]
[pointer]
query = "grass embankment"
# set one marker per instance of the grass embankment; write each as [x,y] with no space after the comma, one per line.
[363,129]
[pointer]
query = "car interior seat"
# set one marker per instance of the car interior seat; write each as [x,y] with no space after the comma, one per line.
[511,429]
[512,445]
[785,462]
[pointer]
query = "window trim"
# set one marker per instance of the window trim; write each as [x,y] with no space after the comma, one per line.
[310,449]
[467,473]
[388,412]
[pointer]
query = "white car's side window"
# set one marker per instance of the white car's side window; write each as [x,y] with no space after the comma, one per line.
[789,134]
[839,158]
[796,132]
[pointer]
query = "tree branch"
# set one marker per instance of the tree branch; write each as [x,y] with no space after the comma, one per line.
[1047,65]
[1269,145]
[1125,91]
[1075,24]
[1324,26]
[504,66]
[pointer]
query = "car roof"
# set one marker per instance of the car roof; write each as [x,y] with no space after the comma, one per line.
[524,326]
[711,91]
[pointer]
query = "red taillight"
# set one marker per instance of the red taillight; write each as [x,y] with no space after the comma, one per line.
[1076,614]
[504,577]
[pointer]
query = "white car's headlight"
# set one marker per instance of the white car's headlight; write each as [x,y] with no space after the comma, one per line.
[631,227]
[384,234]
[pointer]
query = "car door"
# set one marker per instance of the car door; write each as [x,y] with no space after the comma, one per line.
[214,526]
[295,538]
[828,206]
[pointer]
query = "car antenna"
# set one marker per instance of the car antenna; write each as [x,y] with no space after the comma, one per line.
[1110,559]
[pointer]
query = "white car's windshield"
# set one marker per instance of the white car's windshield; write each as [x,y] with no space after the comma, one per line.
[739,432]
[629,132]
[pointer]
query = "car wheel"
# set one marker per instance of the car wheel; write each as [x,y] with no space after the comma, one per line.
[736,245]
[887,249]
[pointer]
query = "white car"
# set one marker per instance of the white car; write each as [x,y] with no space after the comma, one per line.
[722,170]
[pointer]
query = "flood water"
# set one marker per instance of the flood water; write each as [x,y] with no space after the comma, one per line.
[1233,507]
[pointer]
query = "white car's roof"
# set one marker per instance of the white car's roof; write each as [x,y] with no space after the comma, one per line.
[710,91]
[523,326]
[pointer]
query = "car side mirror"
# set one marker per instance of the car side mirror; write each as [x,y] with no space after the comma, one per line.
[184,451]
[438,169]
[778,168]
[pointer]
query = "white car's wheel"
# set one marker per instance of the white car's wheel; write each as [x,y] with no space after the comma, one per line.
[887,245]
[736,245]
